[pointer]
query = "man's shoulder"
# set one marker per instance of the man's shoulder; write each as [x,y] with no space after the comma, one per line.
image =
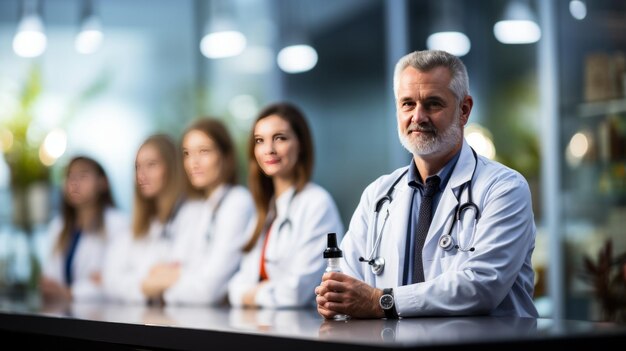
[498,167]
[494,172]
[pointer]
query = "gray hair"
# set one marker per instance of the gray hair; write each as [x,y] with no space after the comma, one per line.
[427,60]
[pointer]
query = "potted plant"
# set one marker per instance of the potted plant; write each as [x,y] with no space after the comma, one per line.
[607,276]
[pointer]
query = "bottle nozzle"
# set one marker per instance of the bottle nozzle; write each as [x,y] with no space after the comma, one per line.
[332,240]
[332,250]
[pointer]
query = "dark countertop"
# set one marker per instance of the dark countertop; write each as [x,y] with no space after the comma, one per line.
[201,327]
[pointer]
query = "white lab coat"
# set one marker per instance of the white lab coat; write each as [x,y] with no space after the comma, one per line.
[497,278]
[88,257]
[294,256]
[129,261]
[222,238]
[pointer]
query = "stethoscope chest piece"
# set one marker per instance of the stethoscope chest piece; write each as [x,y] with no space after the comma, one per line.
[445,242]
[378,265]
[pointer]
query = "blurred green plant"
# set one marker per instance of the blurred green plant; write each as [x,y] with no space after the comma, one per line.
[606,274]
[21,142]
[515,118]
[21,150]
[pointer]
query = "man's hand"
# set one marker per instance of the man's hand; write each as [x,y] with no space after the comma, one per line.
[341,294]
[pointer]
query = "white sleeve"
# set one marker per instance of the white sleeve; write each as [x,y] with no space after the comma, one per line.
[247,276]
[116,225]
[122,275]
[52,262]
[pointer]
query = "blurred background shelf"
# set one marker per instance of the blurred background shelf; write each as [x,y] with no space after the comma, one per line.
[602,108]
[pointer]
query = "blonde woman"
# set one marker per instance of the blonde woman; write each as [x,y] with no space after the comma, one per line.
[79,235]
[283,257]
[141,266]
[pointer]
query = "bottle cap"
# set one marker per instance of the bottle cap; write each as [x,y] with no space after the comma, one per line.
[332,251]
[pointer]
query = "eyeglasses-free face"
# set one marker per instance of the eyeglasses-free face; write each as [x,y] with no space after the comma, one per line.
[150,171]
[276,147]
[83,185]
[202,160]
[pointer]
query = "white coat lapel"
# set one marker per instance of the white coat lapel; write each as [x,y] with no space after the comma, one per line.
[393,244]
[461,174]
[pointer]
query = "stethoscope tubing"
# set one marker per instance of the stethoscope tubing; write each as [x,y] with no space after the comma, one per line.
[214,211]
[446,242]
[285,222]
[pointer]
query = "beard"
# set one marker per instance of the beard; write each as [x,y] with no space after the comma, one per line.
[432,140]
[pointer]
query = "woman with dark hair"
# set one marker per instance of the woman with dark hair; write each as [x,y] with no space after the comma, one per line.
[81,233]
[283,256]
[142,266]
[210,162]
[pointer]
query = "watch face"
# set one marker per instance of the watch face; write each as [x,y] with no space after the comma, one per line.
[386,301]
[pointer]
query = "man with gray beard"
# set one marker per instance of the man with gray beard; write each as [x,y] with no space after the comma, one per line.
[450,234]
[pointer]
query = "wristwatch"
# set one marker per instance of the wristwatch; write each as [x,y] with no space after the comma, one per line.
[387,303]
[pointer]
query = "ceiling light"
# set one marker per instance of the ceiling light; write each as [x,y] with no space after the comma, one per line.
[222,39]
[90,37]
[297,58]
[296,55]
[578,9]
[448,32]
[518,26]
[30,39]
[456,43]
[223,44]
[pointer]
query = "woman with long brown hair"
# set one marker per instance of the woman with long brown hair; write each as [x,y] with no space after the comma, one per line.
[141,266]
[283,256]
[81,233]
[210,163]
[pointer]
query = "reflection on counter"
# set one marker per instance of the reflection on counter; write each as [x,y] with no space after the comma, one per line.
[294,324]
[436,330]
[285,322]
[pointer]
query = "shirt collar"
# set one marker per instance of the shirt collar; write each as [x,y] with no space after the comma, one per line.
[415,181]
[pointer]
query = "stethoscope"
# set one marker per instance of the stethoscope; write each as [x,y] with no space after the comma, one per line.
[211,228]
[378,264]
[446,242]
[167,226]
[284,223]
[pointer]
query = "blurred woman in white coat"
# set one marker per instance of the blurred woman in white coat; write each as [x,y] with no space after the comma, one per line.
[283,259]
[210,162]
[141,266]
[79,235]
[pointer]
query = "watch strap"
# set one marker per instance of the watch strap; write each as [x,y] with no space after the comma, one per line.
[390,313]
